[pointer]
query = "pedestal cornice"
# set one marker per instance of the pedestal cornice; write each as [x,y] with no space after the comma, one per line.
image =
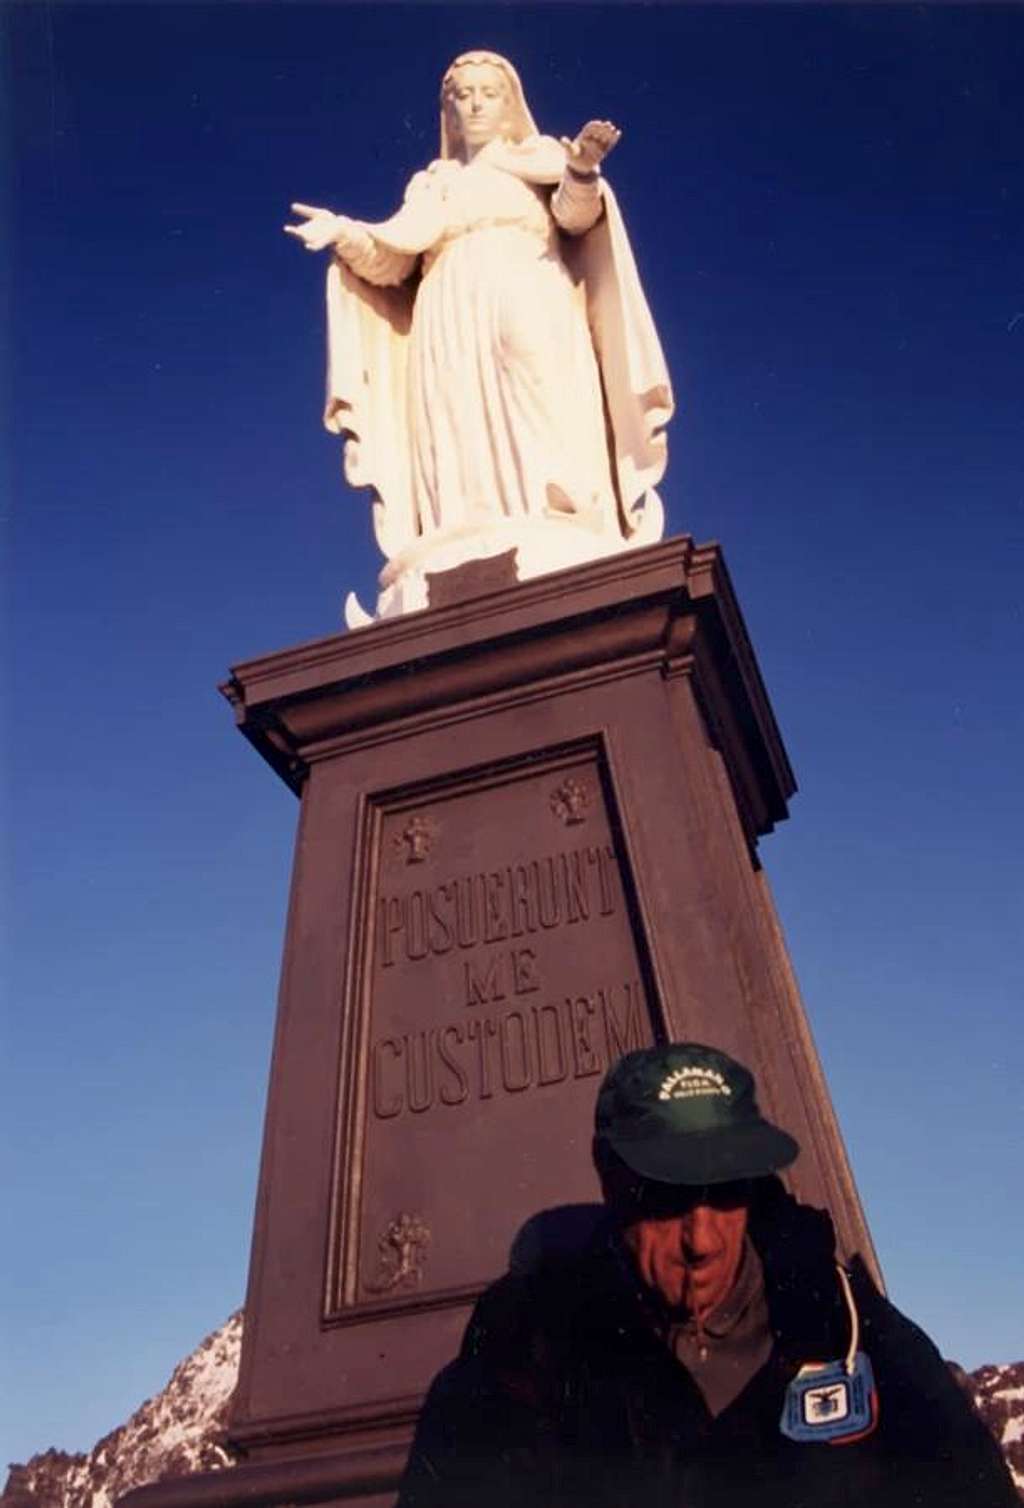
[671,604]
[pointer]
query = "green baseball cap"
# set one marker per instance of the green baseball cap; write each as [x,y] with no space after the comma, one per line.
[687,1114]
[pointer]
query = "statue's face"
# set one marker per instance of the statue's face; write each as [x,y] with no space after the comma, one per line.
[479,102]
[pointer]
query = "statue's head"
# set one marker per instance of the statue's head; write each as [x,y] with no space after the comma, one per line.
[481,100]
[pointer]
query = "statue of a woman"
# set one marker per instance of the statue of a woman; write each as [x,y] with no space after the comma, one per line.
[492,360]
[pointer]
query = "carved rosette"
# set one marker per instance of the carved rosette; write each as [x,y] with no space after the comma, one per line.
[570,800]
[416,839]
[401,1254]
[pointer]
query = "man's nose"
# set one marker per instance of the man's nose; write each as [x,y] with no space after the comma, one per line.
[699,1237]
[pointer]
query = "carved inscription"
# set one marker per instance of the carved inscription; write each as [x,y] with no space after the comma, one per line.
[505,1041]
[502,980]
[528,1046]
[515,901]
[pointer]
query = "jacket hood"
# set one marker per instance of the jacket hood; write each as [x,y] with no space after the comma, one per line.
[797,1247]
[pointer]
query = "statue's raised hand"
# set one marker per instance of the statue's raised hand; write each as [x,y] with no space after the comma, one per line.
[323,227]
[591,145]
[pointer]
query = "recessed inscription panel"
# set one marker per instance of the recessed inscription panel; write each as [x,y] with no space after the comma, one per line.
[501,976]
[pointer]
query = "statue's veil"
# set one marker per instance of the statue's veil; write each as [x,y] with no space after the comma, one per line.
[523,124]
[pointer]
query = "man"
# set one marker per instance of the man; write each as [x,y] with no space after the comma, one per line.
[705,1351]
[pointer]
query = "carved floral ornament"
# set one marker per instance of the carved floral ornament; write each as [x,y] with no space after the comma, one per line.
[401,1254]
[571,800]
[416,839]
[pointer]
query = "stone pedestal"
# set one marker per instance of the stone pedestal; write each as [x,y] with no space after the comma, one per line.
[527,843]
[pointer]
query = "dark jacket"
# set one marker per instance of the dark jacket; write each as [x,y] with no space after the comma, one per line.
[565,1394]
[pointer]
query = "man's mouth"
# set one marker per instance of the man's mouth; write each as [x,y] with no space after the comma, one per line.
[701,1263]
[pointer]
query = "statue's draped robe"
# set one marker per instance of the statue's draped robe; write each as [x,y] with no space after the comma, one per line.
[462,368]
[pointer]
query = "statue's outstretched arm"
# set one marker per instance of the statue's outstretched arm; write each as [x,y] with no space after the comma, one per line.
[371,260]
[354,244]
[322,228]
[576,203]
[384,254]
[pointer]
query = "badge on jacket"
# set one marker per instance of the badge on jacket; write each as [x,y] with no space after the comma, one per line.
[829,1402]
[835,1402]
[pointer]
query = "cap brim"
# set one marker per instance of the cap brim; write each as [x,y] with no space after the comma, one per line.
[706,1157]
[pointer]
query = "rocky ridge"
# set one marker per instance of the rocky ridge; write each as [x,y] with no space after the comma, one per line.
[181,1430]
[999,1397]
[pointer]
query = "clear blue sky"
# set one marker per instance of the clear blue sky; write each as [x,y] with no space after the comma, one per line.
[826,204]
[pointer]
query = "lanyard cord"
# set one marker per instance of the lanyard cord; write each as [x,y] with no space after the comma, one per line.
[844,1283]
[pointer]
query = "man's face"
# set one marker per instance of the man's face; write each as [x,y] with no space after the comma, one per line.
[688,1249]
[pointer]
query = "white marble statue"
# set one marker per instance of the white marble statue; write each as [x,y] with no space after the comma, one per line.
[492,360]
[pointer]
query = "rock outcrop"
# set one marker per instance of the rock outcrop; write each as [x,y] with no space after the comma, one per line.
[999,1396]
[179,1431]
